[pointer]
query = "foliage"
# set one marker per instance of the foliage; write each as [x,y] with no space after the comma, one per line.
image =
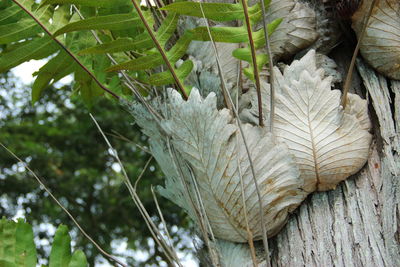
[17,247]
[62,144]
[100,30]
[222,12]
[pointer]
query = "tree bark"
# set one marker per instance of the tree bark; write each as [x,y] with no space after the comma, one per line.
[358,223]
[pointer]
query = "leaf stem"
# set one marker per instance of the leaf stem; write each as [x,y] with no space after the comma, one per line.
[160,49]
[220,72]
[254,59]
[349,76]
[271,71]
[157,236]
[66,50]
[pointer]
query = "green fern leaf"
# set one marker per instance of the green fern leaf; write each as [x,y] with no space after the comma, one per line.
[60,254]
[214,11]
[91,3]
[24,28]
[17,248]
[155,60]
[54,70]
[228,12]
[14,32]
[165,77]
[143,41]
[78,259]
[10,14]
[32,49]
[110,22]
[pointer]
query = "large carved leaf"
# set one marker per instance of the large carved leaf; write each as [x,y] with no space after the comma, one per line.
[329,143]
[209,142]
[380,45]
[296,31]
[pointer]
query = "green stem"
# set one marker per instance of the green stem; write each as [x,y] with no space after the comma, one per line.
[254,59]
[160,49]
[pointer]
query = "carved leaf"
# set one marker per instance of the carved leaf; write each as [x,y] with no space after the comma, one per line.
[297,30]
[329,144]
[381,43]
[208,140]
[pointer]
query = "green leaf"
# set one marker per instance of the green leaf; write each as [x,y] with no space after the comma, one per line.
[17,248]
[167,28]
[55,69]
[88,88]
[33,49]
[245,54]
[92,3]
[24,28]
[154,60]
[166,77]
[142,41]
[60,18]
[109,22]
[11,14]
[60,254]
[14,32]
[119,45]
[78,259]
[221,34]
[234,34]
[7,237]
[25,249]
[214,11]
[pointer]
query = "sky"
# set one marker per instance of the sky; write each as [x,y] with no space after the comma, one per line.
[25,73]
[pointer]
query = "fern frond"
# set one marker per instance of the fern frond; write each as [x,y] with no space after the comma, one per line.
[222,12]
[140,42]
[90,3]
[122,33]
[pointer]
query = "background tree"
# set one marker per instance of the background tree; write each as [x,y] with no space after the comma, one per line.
[61,143]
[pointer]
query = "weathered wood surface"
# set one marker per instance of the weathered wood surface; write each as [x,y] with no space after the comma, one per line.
[358,224]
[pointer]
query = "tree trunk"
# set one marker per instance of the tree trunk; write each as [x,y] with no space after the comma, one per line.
[358,223]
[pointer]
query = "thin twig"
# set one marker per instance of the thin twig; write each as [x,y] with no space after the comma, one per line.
[124,138]
[107,255]
[142,173]
[66,50]
[157,236]
[187,193]
[254,59]
[250,240]
[171,243]
[160,49]
[220,72]
[349,76]
[271,70]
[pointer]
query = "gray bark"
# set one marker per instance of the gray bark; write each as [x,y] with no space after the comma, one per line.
[358,223]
